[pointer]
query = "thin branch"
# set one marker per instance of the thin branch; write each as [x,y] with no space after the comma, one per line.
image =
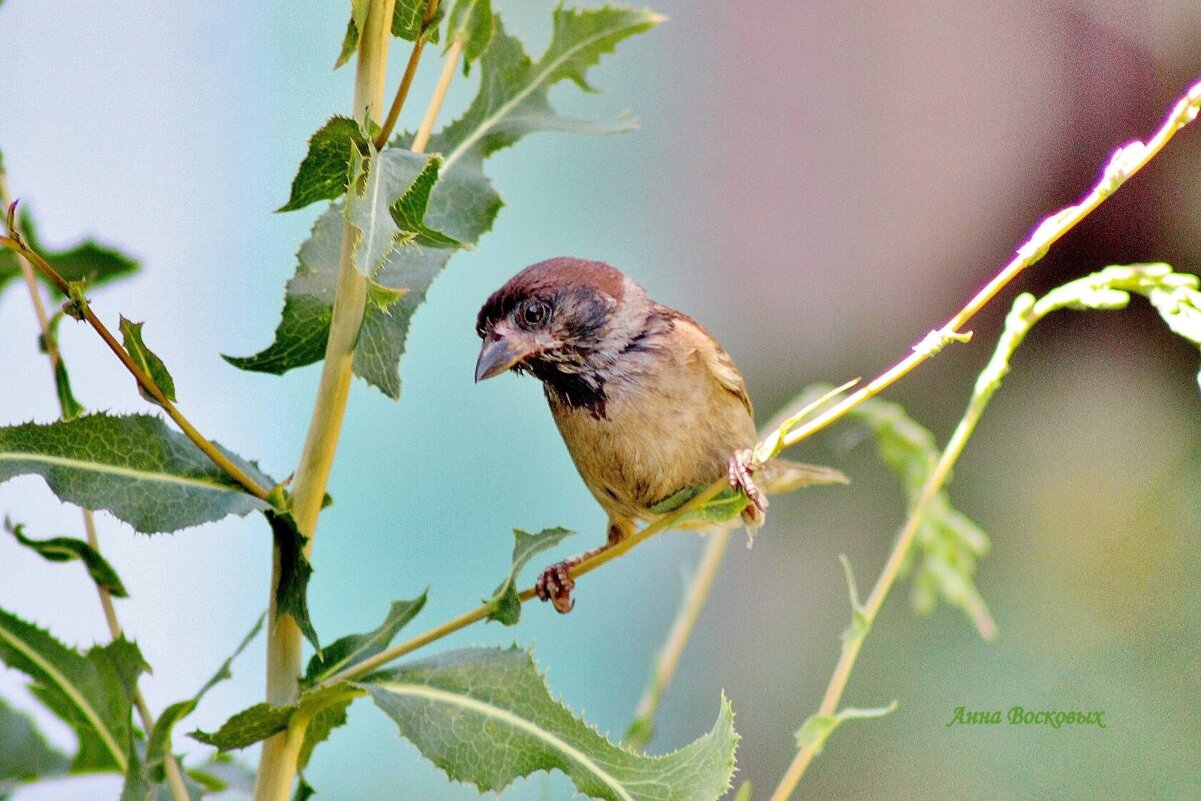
[642,729]
[402,91]
[278,759]
[431,113]
[15,243]
[1125,162]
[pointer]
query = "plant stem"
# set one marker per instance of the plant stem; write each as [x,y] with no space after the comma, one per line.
[1125,162]
[642,728]
[174,778]
[278,760]
[402,92]
[431,113]
[17,245]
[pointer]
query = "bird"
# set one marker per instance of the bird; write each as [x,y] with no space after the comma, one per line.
[646,400]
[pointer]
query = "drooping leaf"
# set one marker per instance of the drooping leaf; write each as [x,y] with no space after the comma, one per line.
[817,728]
[505,605]
[354,29]
[24,753]
[67,549]
[221,773]
[151,477]
[145,358]
[88,261]
[67,404]
[511,103]
[352,649]
[948,545]
[295,570]
[471,22]
[325,170]
[159,742]
[92,692]
[486,717]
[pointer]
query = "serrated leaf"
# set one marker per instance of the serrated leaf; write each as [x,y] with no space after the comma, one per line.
[257,723]
[505,605]
[92,692]
[354,648]
[817,728]
[145,358]
[511,103]
[24,753]
[67,549]
[151,477]
[159,743]
[486,717]
[389,193]
[470,21]
[295,570]
[325,170]
[88,261]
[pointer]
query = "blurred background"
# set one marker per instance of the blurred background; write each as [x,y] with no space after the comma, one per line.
[820,183]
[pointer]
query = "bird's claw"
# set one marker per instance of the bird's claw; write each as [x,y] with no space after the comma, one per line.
[555,585]
[739,472]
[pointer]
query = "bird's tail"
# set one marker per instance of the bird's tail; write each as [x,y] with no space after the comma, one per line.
[780,476]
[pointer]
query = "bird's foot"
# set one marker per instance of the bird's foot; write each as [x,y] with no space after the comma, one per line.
[555,585]
[739,472]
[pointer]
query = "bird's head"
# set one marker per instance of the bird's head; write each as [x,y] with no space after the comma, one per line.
[567,321]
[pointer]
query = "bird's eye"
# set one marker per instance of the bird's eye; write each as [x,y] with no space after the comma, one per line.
[534,313]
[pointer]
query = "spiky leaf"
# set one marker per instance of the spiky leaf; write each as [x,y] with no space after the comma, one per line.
[151,477]
[486,717]
[325,170]
[295,570]
[24,753]
[92,692]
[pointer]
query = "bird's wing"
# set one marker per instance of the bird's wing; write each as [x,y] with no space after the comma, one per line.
[720,365]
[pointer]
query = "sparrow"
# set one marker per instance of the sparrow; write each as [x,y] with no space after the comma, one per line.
[647,402]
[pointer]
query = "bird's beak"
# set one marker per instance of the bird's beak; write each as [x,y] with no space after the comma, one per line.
[499,355]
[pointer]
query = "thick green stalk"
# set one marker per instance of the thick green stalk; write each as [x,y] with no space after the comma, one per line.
[277,763]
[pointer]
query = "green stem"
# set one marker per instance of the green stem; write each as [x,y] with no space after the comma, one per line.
[277,762]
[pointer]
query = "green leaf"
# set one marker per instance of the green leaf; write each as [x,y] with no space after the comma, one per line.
[295,570]
[505,605]
[512,102]
[159,743]
[354,28]
[354,648]
[471,22]
[486,717]
[407,19]
[67,549]
[151,477]
[92,692]
[145,358]
[257,723]
[817,728]
[377,207]
[948,544]
[87,261]
[70,407]
[222,772]
[727,505]
[325,171]
[24,753]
